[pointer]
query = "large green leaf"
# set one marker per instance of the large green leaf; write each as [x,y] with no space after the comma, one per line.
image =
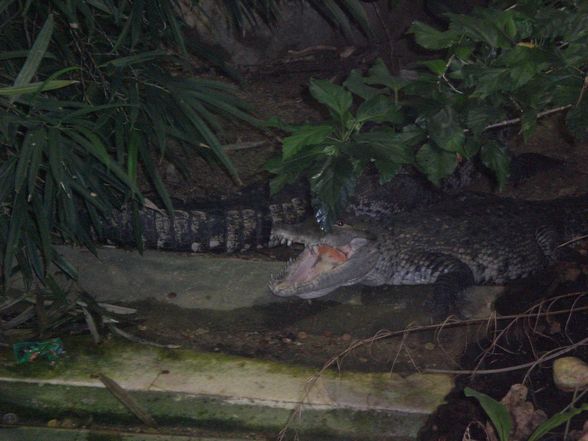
[495,157]
[385,145]
[435,163]
[379,108]
[446,131]
[305,136]
[480,115]
[331,188]
[431,38]
[479,29]
[356,83]
[496,411]
[335,97]
[380,75]
[36,54]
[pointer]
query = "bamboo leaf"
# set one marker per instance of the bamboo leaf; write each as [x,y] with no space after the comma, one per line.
[36,158]
[208,135]
[15,229]
[24,159]
[133,154]
[36,54]
[15,91]
[156,178]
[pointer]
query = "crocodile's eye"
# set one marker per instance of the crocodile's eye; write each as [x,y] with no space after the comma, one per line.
[339,223]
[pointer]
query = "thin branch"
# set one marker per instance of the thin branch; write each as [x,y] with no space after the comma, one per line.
[543,358]
[510,122]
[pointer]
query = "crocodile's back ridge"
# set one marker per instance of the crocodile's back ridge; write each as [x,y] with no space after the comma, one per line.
[498,239]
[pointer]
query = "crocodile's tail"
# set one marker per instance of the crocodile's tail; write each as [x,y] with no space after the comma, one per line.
[228,227]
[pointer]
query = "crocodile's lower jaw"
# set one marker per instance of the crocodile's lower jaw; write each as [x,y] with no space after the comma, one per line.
[302,274]
[310,295]
[322,268]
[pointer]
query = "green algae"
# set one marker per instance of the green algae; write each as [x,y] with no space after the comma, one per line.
[122,360]
[56,401]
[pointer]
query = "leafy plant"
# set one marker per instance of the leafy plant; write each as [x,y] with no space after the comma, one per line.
[88,94]
[500,417]
[508,62]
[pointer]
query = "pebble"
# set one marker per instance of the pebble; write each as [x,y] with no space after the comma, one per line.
[301,335]
[570,374]
[346,337]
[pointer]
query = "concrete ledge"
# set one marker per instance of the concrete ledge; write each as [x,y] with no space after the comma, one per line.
[221,283]
[220,392]
[200,281]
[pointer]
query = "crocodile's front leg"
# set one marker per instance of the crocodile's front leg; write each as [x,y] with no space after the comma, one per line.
[448,274]
[448,290]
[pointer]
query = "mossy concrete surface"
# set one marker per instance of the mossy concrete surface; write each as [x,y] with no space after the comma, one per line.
[219,283]
[219,391]
[197,281]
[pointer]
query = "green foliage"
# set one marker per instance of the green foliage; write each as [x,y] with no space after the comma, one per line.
[333,154]
[499,63]
[500,417]
[90,92]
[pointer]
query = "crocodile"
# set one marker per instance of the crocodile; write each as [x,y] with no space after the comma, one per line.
[248,219]
[465,240]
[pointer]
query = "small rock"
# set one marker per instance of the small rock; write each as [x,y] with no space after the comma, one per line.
[346,337]
[301,335]
[53,423]
[570,374]
[286,340]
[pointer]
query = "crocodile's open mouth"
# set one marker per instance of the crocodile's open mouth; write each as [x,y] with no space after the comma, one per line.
[322,268]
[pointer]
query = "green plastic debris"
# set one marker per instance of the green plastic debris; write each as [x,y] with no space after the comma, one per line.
[30,351]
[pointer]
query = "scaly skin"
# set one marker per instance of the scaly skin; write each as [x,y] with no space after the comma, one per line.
[466,240]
